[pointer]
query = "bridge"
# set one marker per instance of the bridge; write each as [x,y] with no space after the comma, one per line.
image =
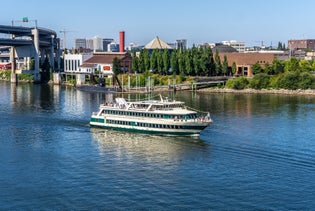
[31,42]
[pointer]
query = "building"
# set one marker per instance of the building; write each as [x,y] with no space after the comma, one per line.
[307,44]
[72,62]
[239,46]
[89,44]
[103,62]
[107,41]
[113,47]
[80,43]
[97,43]
[157,43]
[181,44]
[245,61]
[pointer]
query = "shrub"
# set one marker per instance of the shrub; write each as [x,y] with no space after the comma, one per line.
[288,80]
[306,81]
[260,81]
[237,83]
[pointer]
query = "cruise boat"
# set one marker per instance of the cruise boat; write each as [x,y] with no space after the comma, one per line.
[150,116]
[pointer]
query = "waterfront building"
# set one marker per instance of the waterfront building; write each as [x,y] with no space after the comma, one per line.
[103,62]
[72,62]
[245,61]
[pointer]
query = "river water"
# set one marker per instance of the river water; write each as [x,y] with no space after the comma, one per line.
[259,153]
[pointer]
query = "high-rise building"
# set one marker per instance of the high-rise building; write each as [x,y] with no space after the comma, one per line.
[89,44]
[113,47]
[97,43]
[107,41]
[80,43]
[181,44]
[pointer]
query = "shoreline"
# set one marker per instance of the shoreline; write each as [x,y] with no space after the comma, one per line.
[261,91]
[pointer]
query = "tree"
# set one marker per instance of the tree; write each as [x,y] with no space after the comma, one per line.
[225,65]
[146,60]
[153,60]
[292,65]
[217,61]
[174,62]
[160,63]
[116,66]
[233,68]
[268,69]
[134,63]
[305,66]
[277,66]
[166,61]
[256,68]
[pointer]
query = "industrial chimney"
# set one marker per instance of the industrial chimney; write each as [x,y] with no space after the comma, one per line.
[121,41]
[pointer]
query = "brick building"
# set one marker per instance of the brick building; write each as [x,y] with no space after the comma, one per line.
[245,61]
[103,62]
[307,44]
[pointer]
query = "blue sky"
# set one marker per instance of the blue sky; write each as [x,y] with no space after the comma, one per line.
[198,21]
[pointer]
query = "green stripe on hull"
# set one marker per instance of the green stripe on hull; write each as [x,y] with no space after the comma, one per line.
[147,131]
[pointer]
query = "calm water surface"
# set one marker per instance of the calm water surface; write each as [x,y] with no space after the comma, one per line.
[258,154]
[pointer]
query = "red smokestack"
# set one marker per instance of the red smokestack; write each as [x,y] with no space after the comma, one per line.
[121,41]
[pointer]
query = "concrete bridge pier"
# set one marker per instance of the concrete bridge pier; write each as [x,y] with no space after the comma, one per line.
[36,57]
[14,78]
[80,79]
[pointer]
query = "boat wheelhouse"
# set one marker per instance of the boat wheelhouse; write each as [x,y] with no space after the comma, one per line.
[151,116]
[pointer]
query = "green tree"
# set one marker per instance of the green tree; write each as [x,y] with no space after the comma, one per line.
[166,61]
[225,65]
[260,81]
[160,62]
[292,65]
[305,66]
[277,66]
[218,65]
[134,62]
[146,60]
[307,81]
[174,62]
[268,69]
[256,68]
[153,60]
[116,66]
[233,68]
[189,63]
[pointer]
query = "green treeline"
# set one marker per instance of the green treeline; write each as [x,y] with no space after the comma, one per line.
[291,74]
[189,62]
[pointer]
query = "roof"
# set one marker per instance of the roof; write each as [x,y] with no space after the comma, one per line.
[157,43]
[223,49]
[105,58]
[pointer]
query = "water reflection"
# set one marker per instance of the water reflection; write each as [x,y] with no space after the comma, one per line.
[147,146]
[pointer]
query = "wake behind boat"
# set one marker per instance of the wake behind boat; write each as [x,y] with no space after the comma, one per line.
[151,116]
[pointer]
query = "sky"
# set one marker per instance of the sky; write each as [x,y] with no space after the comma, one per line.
[198,21]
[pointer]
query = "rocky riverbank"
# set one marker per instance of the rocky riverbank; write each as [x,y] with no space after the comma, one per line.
[262,91]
